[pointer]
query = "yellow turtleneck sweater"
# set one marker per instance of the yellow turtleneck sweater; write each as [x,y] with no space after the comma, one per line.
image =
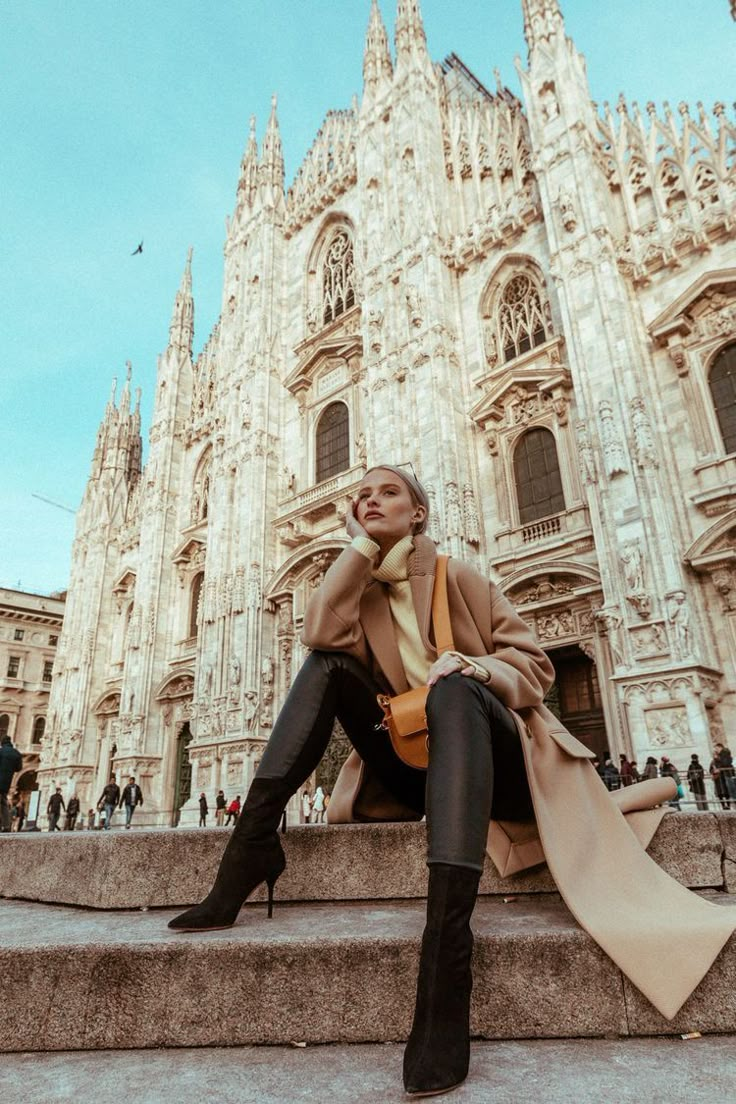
[416,659]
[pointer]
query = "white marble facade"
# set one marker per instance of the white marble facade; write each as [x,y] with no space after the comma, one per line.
[459,270]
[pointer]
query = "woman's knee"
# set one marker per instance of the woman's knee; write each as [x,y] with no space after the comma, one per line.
[450,691]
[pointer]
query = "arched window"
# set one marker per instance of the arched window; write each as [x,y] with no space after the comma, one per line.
[521,319]
[195,594]
[39,727]
[537,476]
[333,441]
[338,277]
[4,724]
[722,382]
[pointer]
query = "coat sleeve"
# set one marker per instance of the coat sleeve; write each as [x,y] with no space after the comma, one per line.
[521,674]
[331,619]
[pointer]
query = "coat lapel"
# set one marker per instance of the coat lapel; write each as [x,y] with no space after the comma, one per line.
[378,626]
[422,567]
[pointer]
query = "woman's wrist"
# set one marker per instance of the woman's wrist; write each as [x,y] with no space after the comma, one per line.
[367,547]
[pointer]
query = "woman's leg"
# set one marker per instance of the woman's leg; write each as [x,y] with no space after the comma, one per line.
[473,742]
[328,685]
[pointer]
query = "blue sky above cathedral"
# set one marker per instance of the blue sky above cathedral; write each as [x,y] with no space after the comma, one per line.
[124,122]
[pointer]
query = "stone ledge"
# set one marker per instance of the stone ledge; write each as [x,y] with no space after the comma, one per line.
[168,867]
[315,973]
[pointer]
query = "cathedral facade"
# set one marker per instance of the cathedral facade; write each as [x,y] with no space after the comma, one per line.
[533,303]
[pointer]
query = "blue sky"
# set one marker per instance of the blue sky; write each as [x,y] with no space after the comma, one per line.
[127,120]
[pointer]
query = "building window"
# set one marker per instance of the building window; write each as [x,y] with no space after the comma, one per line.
[333,441]
[537,476]
[195,598]
[521,318]
[13,666]
[53,640]
[39,727]
[722,382]
[48,670]
[338,278]
[4,724]
[18,634]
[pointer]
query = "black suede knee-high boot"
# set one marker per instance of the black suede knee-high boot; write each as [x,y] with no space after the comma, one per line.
[437,1053]
[253,855]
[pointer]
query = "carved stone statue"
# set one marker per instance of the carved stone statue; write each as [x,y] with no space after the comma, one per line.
[250,709]
[234,679]
[678,616]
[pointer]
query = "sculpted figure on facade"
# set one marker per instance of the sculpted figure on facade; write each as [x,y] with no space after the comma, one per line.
[644,448]
[678,616]
[250,709]
[613,450]
[610,619]
[234,679]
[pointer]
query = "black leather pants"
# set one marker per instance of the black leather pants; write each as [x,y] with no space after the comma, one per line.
[476,765]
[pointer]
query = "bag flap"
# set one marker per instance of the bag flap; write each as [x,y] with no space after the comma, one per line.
[408,711]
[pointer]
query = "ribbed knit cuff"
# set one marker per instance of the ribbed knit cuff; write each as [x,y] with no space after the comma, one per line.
[366,547]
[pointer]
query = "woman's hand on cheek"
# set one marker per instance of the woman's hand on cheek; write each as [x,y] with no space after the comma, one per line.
[353,526]
[444,666]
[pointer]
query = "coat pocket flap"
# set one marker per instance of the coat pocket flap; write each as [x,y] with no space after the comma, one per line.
[569,744]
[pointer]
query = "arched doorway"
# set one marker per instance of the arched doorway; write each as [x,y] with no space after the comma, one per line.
[576,697]
[183,785]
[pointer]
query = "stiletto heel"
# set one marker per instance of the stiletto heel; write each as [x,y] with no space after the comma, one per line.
[270,883]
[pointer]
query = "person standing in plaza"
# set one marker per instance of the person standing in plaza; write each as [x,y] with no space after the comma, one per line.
[722,771]
[306,807]
[220,806]
[696,782]
[132,796]
[318,805]
[72,812]
[667,769]
[109,799]
[53,809]
[650,768]
[11,762]
[203,810]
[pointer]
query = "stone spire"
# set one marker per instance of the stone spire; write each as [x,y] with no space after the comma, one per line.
[118,447]
[377,63]
[271,169]
[542,21]
[248,182]
[409,33]
[181,328]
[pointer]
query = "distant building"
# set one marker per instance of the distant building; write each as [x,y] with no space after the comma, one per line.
[30,627]
[535,304]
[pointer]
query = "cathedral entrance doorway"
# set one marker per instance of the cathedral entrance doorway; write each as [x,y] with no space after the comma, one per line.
[183,787]
[576,698]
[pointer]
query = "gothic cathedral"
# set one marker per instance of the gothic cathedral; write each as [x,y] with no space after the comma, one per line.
[534,303]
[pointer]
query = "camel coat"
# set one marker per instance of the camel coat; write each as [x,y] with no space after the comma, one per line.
[616,892]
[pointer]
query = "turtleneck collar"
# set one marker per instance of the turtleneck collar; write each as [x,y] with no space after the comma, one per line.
[394,567]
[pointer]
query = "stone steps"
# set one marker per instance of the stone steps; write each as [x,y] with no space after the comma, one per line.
[316,973]
[168,867]
[540,1071]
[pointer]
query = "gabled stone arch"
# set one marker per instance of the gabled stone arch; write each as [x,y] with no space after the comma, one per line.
[179,684]
[307,563]
[335,223]
[713,555]
[107,704]
[491,304]
[559,601]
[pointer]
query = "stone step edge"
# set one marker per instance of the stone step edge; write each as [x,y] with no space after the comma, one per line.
[168,868]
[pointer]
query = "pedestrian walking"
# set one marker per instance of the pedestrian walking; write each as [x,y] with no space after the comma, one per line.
[635,776]
[203,810]
[72,812]
[696,782]
[109,799]
[624,770]
[650,768]
[132,796]
[11,762]
[220,806]
[722,772]
[233,811]
[53,809]
[610,775]
[90,819]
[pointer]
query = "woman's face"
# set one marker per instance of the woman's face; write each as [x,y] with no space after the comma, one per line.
[385,507]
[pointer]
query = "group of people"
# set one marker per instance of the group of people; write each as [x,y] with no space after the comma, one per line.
[721,771]
[314,806]
[110,800]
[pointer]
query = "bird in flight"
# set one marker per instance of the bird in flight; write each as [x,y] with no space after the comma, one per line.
[138,250]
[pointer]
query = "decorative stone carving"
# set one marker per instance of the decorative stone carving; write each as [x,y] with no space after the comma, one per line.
[724,581]
[568,214]
[254,587]
[250,709]
[414,305]
[613,449]
[585,453]
[490,342]
[609,618]
[470,515]
[234,679]
[375,330]
[649,640]
[453,511]
[556,624]
[678,617]
[633,565]
[434,526]
[668,727]
[645,452]
[239,590]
